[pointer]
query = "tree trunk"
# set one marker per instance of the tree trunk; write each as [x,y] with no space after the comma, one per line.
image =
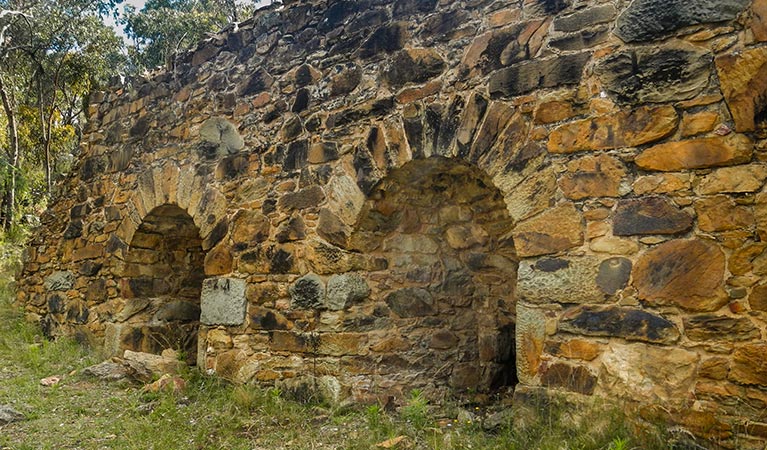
[9,197]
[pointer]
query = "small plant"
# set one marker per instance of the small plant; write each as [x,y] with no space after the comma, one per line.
[619,444]
[416,411]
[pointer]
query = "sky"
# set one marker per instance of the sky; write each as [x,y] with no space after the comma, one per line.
[111,22]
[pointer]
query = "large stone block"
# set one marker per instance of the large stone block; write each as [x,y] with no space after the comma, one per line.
[749,365]
[686,273]
[307,292]
[345,289]
[697,153]
[530,334]
[561,280]
[741,76]
[552,231]
[650,215]
[545,73]
[614,321]
[705,327]
[223,301]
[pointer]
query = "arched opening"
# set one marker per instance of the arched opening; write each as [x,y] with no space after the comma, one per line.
[161,282]
[447,293]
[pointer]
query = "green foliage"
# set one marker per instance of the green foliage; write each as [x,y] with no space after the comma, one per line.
[416,411]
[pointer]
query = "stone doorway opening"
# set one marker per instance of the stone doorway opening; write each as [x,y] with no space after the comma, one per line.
[447,292]
[161,283]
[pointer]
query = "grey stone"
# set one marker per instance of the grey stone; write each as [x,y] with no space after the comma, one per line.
[8,415]
[582,39]
[59,281]
[613,275]
[563,280]
[177,310]
[585,18]
[132,307]
[530,75]
[108,371]
[411,302]
[345,289]
[614,321]
[222,301]
[656,74]
[307,292]
[650,215]
[223,134]
[647,20]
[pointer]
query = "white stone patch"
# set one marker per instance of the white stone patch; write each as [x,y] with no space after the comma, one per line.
[222,301]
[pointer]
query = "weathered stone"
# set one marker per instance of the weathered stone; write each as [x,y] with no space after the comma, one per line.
[555,230]
[662,183]
[585,18]
[305,198]
[218,261]
[249,228]
[655,74]
[592,176]
[108,371]
[647,371]
[307,292]
[686,273]
[697,154]
[443,340]
[623,129]
[758,20]
[223,135]
[571,280]
[567,376]
[721,213]
[646,20]
[758,298]
[698,123]
[614,321]
[59,281]
[613,275]
[293,229]
[222,301]
[530,75]
[574,349]
[415,65]
[530,333]
[741,76]
[345,289]
[706,327]
[177,310]
[736,179]
[147,366]
[749,366]
[411,302]
[649,215]
[9,415]
[613,245]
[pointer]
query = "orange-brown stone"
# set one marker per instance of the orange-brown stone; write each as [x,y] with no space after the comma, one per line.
[743,79]
[623,129]
[697,153]
[698,123]
[550,232]
[592,176]
[685,273]
[721,213]
[749,365]
[574,349]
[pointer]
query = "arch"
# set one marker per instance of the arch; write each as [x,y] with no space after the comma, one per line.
[160,282]
[446,291]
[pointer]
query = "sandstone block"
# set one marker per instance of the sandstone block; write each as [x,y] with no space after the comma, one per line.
[222,301]
[686,273]
[741,76]
[574,349]
[721,213]
[706,327]
[697,154]
[585,18]
[545,73]
[570,377]
[749,366]
[530,334]
[593,176]
[737,179]
[650,215]
[552,231]
[623,129]
[414,65]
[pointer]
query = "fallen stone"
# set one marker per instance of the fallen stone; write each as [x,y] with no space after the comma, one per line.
[167,383]
[8,415]
[147,366]
[108,371]
[52,380]
[686,273]
[614,321]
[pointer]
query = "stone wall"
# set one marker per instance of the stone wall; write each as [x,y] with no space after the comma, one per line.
[378,195]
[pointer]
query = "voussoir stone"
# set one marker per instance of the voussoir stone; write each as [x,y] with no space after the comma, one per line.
[646,20]
[686,273]
[623,129]
[697,153]
[650,215]
[615,321]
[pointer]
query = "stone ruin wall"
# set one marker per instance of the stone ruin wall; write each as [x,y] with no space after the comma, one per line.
[474,195]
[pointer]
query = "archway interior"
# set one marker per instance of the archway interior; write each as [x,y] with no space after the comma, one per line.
[443,229]
[162,280]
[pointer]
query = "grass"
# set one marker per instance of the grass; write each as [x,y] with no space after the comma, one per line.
[82,413]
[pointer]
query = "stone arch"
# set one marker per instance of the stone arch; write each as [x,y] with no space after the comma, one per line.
[160,282]
[439,231]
